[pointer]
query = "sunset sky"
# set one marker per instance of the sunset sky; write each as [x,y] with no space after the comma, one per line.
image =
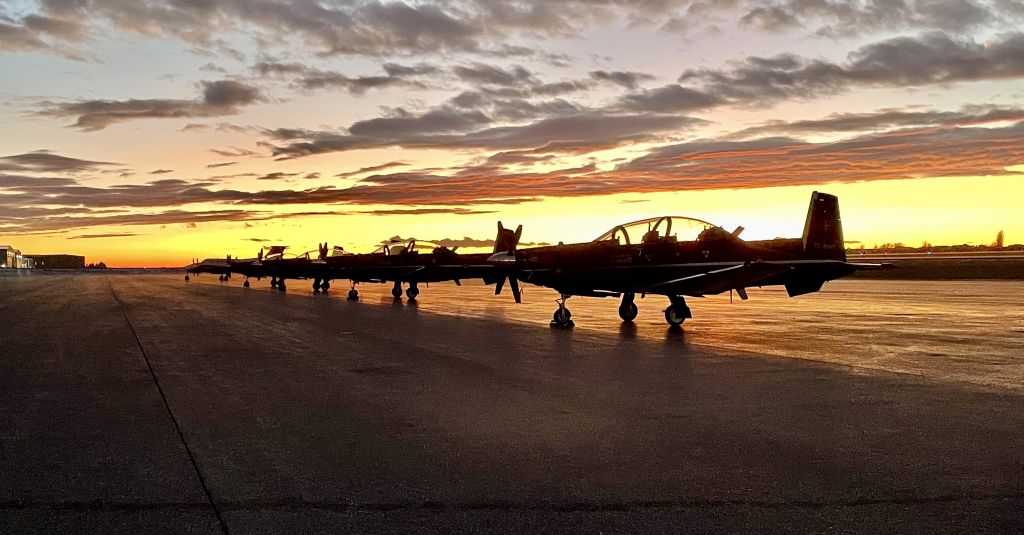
[146,133]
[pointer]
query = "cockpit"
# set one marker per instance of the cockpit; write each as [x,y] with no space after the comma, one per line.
[395,247]
[657,230]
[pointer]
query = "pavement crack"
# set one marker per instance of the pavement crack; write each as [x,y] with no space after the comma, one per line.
[170,412]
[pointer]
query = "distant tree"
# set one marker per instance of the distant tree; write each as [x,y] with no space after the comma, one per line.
[926,245]
[999,239]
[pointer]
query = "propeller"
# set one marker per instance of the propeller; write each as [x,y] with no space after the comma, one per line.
[505,253]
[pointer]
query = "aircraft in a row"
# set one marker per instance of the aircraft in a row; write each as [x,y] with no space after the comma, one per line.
[677,257]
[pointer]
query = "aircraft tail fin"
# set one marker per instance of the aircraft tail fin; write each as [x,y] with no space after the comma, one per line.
[507,239]
[823,231]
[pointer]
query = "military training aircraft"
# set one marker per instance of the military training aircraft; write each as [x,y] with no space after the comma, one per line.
[677,257]
[681,257]
[400,261]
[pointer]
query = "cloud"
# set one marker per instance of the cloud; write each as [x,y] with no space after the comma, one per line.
[899,62]
[579,133]
[467,242]
[277,175]
[46,161]
[669,99]
[104,235]
[884,120]
[234,152]
[161,171]
[370,169]
[429,211]
[219,164]
[780,161]
[308,77]
[627,79]
[483,74]
[835,19]
[223,97]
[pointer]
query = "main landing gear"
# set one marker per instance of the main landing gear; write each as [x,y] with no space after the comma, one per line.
[628,310]
[277,283]
[396,292]
[677,312]
[186,277]
[562,317]
[321,285]
[225,277]
[412,291]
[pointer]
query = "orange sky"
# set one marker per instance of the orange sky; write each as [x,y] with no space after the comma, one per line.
[148,138]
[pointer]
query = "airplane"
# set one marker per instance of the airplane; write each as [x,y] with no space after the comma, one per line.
[400,261]
[681,257]
[216,266]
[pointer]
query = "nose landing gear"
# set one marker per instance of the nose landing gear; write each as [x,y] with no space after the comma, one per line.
[562,317]
[396,292]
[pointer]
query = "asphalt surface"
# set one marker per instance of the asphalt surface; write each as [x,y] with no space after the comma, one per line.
[140,403]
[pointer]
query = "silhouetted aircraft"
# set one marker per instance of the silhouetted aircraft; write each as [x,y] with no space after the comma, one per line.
[411,262]
[216,266]
[681,257]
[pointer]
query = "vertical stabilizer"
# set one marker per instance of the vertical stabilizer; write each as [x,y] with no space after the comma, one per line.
[823,231]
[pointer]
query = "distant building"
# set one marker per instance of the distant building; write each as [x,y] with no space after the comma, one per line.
[58,261]
[11,258]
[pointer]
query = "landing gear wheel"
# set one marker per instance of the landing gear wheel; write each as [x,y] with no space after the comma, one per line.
[412,292]
[562,318]
[676,314]
[316,285]
[186,277]
[273,282]
[245,283]
[221,278]
[281,286]
[353,295]
[628,311]
[324,286]
[396,292]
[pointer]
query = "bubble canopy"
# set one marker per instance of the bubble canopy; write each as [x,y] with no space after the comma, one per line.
[673,228]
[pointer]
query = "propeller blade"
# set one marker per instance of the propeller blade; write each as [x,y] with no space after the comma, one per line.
[500,285]
[517,294]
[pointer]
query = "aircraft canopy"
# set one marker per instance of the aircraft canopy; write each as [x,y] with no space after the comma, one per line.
[673,228]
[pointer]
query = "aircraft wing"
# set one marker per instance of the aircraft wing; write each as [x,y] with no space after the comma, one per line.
[721,279]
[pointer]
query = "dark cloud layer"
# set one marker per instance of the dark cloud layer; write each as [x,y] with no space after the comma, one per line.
[842,18]
[307,77]
[46,161]
[884,120]
[223,97]
[899,62]
[581,133]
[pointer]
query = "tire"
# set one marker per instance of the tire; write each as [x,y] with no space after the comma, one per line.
[628,311]
[353,295]
[675,316]
[396,292]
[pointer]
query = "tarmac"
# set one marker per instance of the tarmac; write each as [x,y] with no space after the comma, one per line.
[142,404]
